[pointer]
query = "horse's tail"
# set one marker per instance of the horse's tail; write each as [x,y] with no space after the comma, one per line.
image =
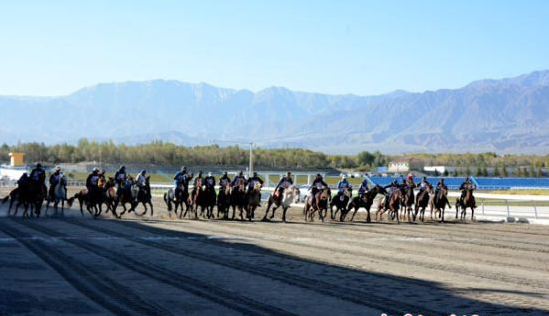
[70,201]
[5,199]
[168,202]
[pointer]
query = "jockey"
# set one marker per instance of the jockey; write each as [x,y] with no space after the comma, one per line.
[23,180]
[392,187]
[209,181]
[318,184]
[251,182]
[120,176]
[180,179]
[36,173]
[363,189]
[237,178]
[283,184]
[440,185]
[141,178]
[91,181]
[198,177]
[423,184]
[467,184]
[55,177]
[409,182]
[342,185]
[224,180]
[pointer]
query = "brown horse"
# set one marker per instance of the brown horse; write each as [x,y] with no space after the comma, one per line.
[422,201]
[224,202]
[439,203]
[467,202]
[322,199]
[253,198]
[407,203]
[392,205]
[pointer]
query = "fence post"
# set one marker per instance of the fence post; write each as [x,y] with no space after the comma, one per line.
[508,212]
[535,209]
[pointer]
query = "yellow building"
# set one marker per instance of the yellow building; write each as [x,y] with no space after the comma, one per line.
[16,159]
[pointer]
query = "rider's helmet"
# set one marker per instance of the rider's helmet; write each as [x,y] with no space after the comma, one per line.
[395,182]
[288,174]
[224,173]
[38,165]
[122,168]
[255,174]
[441,180]
[410,176]
[57,168]
[424,179]
[183,169]
[209,174]
[318,176]
[343,176]
[143,171]
[241,173]
[199,173]
[95,170]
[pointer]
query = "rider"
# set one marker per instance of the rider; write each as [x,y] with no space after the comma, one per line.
[237,178]
[224,181]
[423,184]
[55,177]
[141,178]
[209,181]
[91,181]
[198,177]
[342,185]
[467,184]
[23,180]
[37,173]
[120,179]
[180,178]
[410,181]
[392,187]
[363,189]
[440,185]
[318,183]
[283,184]
[252,181]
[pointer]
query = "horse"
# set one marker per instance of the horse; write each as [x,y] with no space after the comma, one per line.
[289,195]
[206,201]
[365,201]
[238,197]
[196,197]
[340,202]
[12,197]
[422,201]
[143,196]
[467,202]
[110,195]
[322,199]
[439,203]
[59,195]
[224,201]
[407,203]
[392,205]
[253,198]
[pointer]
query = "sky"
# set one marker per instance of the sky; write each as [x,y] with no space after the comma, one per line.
[52,48]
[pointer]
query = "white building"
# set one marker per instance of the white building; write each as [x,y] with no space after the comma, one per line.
[399,166]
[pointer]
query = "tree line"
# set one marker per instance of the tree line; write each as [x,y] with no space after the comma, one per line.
[168,154]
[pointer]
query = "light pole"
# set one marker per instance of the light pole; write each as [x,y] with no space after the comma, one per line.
[251,144]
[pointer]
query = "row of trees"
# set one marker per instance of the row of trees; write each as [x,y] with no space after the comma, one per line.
[168,154]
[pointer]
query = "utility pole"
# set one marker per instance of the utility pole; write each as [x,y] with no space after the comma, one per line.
[251,144]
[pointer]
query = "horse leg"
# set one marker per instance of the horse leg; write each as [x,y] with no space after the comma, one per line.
[472,213]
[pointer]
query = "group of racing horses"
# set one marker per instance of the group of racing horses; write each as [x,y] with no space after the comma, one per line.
[400,204]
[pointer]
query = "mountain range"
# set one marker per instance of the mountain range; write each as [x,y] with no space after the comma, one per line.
[505,116]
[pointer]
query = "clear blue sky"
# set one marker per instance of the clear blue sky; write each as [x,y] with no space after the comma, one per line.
[360,47]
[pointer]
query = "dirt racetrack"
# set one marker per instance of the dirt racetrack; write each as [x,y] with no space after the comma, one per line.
[163,266]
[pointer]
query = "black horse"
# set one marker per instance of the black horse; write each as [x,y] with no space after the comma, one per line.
[340,201]
[365,201]
[238,197]
[224,202]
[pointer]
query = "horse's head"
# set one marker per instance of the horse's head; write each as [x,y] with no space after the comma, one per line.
[257,186]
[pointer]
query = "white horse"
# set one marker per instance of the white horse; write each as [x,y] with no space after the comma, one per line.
[59,195]
[289,196]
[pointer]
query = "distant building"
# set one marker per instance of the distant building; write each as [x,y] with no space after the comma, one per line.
[15,169]
[399,165]
[438,169]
